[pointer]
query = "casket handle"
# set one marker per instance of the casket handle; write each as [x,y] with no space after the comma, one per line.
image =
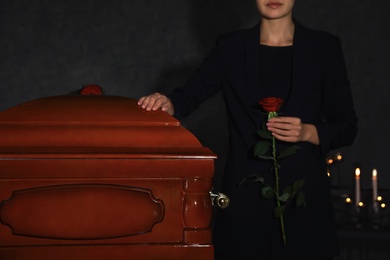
[219,199]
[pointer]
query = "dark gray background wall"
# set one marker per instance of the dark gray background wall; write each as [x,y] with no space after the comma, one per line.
[135,47]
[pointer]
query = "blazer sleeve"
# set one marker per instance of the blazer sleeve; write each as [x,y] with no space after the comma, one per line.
[204,83]
[339,127]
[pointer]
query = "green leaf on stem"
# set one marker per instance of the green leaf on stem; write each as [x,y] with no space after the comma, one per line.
[284,197]
[278,211]
[287,189]
[266,157]
[267,192]
[252,178]
[261,148]
[297,185]
[300,202]
[288,151]
[259,179]
[265,134]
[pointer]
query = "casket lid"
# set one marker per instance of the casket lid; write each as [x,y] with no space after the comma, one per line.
[92,123]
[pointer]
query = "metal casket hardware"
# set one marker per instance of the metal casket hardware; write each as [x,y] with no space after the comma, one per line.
[220,200]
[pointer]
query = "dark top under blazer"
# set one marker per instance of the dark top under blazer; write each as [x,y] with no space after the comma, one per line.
[320,95]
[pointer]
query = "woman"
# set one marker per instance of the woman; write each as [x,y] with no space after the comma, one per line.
[281,58]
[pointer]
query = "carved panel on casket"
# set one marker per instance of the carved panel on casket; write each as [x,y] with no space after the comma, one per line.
[81,211]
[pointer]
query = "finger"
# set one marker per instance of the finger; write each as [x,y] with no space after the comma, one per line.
[282,138]
[280,132]
[157,104]
[146,102]
[287,120]
[151,101]
[141,100]
[280,126]
[285,127]
[161,102]
[285,138]
[164,104]
[293,132]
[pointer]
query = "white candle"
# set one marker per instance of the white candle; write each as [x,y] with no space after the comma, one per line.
[375,190]
[357,187]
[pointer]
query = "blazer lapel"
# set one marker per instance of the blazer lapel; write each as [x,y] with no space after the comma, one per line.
[252,62]
[252,69]
[302,62]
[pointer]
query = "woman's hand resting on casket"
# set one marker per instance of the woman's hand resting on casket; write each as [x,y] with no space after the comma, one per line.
[156,101]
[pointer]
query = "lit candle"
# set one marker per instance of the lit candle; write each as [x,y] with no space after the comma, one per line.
[375,190]
[357,187]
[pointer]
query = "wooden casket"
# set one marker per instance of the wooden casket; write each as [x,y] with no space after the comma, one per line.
[98,177]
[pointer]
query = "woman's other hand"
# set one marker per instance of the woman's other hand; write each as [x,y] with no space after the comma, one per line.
[291,129]
[156,101]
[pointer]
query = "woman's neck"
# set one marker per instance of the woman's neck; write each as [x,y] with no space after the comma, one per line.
[278,32]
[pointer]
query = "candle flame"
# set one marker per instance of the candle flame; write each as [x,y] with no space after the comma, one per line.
[348,200]
[357,172]
[374,173]
[379,198]
[361,204]
[383,205]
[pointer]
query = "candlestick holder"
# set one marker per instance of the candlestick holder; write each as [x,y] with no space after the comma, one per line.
[365,214]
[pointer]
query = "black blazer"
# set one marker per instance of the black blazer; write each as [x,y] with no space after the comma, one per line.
[320,95]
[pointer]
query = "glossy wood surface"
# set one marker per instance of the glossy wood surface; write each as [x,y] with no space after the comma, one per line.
[97,177]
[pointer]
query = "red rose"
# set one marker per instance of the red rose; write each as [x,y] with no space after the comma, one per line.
[91,90]
[271,104]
